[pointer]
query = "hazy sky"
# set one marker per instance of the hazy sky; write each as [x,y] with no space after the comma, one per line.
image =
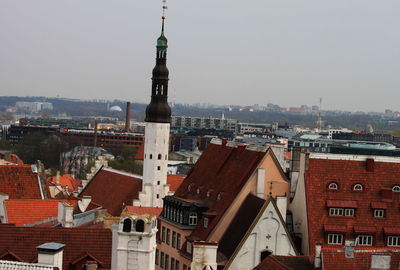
[287,52]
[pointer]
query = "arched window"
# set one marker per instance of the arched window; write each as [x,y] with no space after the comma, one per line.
[358,187]
[127,227]
[193,219]
[333,186]
[139,227]
[396,188]
[159,156]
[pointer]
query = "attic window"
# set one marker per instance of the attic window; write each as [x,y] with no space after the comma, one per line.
[219,197]
[193,219]
[198,191]
[396,189]
[358,187]
[333,186]
[208,194]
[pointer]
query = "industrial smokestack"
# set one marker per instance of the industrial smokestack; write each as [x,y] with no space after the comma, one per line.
[95,133]
[128,117]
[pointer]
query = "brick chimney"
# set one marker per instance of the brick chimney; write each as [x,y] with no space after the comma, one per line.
[51,254]
[370,164]
[128,117]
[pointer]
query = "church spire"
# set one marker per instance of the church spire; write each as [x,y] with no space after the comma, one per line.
[158,111]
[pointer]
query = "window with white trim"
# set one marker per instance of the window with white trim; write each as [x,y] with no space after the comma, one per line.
[333,186]
[358,187]
[335,211]
[193,219]
[364,240]
[189,247]
[335,239]
[349,212]
[396,188]
[379,213]
[393,241]
[205,222]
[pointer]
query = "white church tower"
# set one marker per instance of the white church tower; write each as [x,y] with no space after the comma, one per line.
[134,243]
[156,144]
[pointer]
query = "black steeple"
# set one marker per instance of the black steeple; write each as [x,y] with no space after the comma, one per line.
[158,111]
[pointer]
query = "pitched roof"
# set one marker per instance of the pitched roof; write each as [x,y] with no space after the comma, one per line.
[240,224]
[377,184]
[334,259]
[141,210]
[113,189]
[174,181]
[24,266]
[222,170]
[278,262]
[66,180]
[22,241]
[19,182]
[29,211]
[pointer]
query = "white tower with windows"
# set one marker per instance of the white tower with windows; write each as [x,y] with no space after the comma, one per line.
[158,119]
[134,243]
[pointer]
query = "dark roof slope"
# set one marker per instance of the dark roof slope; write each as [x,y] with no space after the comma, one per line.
[113,190]
[240,224]
[278,262]
[19,182]
[22,241]
[222,171]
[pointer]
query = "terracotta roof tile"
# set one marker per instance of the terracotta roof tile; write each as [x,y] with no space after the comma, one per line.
[19,182]
[222,170]
[347,173]
[174,181]
[113,189]
[67,180]
[141,210]
[22,241]
[339,203]
[278,262]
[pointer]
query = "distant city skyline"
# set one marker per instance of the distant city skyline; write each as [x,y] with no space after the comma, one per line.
[287,53]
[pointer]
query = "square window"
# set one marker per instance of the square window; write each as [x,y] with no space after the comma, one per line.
[349,212]
[364,240]
[335,239]
[393,241]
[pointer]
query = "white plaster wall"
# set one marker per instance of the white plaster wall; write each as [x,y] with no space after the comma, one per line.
[156,142]
[268,234]
[298,208]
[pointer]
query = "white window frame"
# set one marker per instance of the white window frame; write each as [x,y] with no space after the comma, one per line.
[189,247]
[349,212]
[333,186]
[335,211]
[358,187]
[396,188]
[205,222]
[393,241]
[364,240]
[379,213]
[192,219]
[335,239]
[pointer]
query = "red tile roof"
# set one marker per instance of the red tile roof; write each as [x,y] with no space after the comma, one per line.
[359,229]
[338,203]
[347,173]
[334,259]
[332,228]
[113,189]
[22,241]
[19,182]
[391,230]
[141,210]
[378,205]
[174,181]
[29,211]
[220,170]
[278,262]
[67,180]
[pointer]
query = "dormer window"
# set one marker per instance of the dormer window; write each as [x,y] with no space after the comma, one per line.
[379,213]
[193,219]
[358,187]
[205,222]
[219,197]
[198,191]
[208,194]
[333,186]
[335,239]
[393,241]
[396,189]
[364,240]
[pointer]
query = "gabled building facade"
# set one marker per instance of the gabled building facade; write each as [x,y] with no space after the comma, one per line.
[207,202]
[346,210]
